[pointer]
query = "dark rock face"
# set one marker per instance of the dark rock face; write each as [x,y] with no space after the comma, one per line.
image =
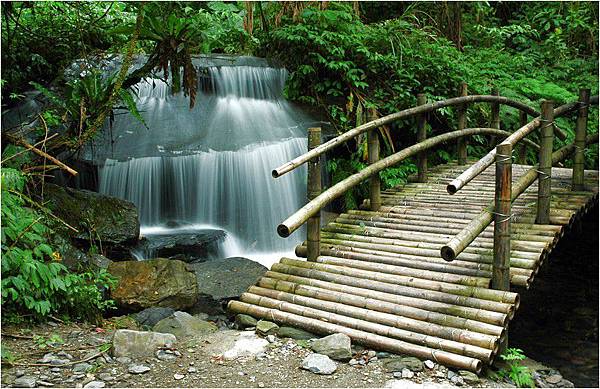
[150,316]
[75,259]
[98,218]
[195,246]
[153,283]
[222,280]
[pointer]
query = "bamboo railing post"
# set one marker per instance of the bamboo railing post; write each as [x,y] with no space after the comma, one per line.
[461,144]
[502,216]
[375,181]
[495,120]
[522,147]
[313,233]
[545,163]
[580,132]
[421,136]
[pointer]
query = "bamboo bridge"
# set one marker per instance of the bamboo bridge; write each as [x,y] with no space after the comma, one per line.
[430,268]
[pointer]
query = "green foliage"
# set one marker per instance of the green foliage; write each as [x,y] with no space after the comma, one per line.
[34,282]
[520,375]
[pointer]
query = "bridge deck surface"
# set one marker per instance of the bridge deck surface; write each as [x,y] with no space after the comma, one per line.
[381,280]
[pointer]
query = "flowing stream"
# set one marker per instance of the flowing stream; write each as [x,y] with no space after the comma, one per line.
[209,166]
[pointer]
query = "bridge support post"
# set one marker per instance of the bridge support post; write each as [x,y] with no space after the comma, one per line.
[313,231]
[461,144]
[580,132]
[421,136]
[502,216]
[522,146]
[375,181]
[545,166]
[495,120]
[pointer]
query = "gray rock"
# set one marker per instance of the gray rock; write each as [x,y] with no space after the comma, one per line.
[457,380]
[406,373]
[64,354]
[138,369]
[468,377]
[399,363]
[164,355]
[55,370]
[106,377]
[95,384]
[295,333]
[153,283]
[124,360]
[150,316]
[383,355]
[397,374]
[271,338]
[244,321]
[221,280]
[353,362]
[182,325]
[319,364]
[554,379]
[25,382]
[47,358]
[264,328]
[178,376]
[129,343]
[336,346]
[451,374]
[81,368]
[185,244]
[45,383]
[19,373]
[429,364]
[192,370]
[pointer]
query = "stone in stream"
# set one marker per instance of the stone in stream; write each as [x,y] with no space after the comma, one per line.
[244,321]
[153,283]
[265,327]
[187,245]
[319,364]
[129,343]
[336,346]
[295,333]
[184,325]
[221,280]
[25,382]
[150,316]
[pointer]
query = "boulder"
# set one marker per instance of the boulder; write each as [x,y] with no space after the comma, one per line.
[244,321]
[221,280]
[150,316]
[295,333]
[139,344]
[153,283]
[75,259]
[112,221]
[183,325]
[319,364]
[184,245]
[336,346]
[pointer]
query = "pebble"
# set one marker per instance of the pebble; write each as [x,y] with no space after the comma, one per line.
[407,373]
[124,360]
[371,354]
[397,374]
[45,383]
[271,338]
[20,372]
[138,369]
[25,382]
[261,385]
[429,364]
[55,370]
[64,354]
[178,376]
[353,362]
[457,380]
[95,384]
[105,377]
[165,355]
[319,364]
[554,379]
[81,367]
[192,370]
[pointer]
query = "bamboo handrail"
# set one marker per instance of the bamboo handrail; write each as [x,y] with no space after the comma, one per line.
[293,222]
[302,159]
[457,244]
[474,170]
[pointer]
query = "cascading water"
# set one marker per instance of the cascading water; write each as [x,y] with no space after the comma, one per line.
[211,165]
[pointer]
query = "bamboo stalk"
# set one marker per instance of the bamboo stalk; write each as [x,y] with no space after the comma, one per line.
[362,337]
[580,132]
[523,147]
[461,145]
[313,231]
[374,181]
[545,164]
[502,216]
[495,117]
[421,136]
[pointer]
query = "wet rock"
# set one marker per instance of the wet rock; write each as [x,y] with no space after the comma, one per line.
[95,384]
[150,316]
[264,328]
[468,377]
[295,333]
[319,364]
[182,325]
[336,346]
[153,283]
[129,343]
[113,221]
[138,369]
[25,382]
[397,364]
[221,280]
[184,245]
[245,321]
[81,368]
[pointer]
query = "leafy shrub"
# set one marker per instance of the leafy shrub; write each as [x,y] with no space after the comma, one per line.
[34,282]
[520,375]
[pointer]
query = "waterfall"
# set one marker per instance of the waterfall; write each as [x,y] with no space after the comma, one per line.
[210,165]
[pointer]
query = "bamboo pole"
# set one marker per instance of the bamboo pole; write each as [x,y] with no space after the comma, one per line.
[545,163]
[495,117]
[457,244]
[421,136]
[302,159]
[580,132]
[502,216]
[461,145]
[374,181]
[293,222]
[363,337]
[523,147]
[313,231]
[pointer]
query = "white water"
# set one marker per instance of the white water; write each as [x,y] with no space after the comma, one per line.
[210,166]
